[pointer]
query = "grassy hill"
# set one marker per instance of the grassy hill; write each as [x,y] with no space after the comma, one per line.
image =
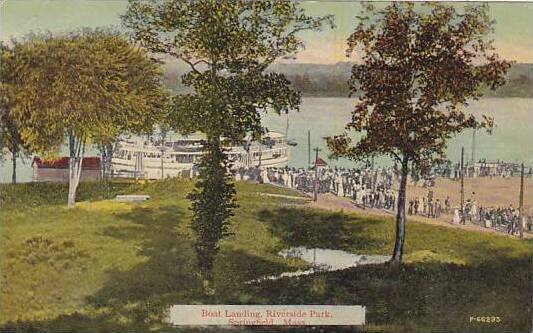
[109,266]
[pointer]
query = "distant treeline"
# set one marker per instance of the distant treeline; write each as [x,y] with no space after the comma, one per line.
[331,80]
[337,86]
[521,86]
[320,85]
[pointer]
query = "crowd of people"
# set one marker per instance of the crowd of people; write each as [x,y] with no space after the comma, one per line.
[365,187]
[502,218]
[505,219]
[429,206]
[373,188]
[482,168]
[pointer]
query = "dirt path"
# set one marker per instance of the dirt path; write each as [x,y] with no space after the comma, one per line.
[488,192]
[334,203]
[292,197]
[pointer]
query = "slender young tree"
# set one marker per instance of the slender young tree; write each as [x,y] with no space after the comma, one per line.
[10,139]
[421,64]
[228,45]
[86,87]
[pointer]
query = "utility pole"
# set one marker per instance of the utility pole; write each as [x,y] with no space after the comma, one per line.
[315,195]
[474,146]
[462,186]
[163,139]
[260,152]
[521,202]
[162,165]
[138,159]
[308,148]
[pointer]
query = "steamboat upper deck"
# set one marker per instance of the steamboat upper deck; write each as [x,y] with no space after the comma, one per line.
[177,156]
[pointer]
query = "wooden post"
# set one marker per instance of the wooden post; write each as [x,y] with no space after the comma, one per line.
[162,163]
[521,202]
[260,152]
[473,146]
[315,195]
[287,128]
[462,186]
[137,165]
[308,148]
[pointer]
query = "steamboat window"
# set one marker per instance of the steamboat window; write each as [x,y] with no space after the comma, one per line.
[184,158]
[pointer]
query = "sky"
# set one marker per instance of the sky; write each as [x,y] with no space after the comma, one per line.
[513,37]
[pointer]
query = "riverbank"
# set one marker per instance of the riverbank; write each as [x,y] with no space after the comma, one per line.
[113,266]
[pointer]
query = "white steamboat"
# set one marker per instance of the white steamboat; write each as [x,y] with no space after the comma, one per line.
[177,156]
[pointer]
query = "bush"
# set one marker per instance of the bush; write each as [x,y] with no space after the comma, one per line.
[55,193]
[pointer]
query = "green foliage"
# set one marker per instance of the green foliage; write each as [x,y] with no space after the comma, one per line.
[231,105]
[228,45]
[212,205]
[6,90]
[90,87]
[419,67]
[50,193]
[108,266]
[10,134]
[93,84]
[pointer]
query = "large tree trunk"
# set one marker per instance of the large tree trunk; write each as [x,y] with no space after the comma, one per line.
[400,216]
[77,150]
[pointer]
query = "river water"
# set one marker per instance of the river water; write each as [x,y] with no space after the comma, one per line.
[512,139]
[324,260]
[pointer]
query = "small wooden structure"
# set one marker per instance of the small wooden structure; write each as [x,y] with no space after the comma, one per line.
[56,169]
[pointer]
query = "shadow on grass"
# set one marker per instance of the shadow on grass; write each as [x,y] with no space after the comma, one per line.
[169,268]
[420,297]
[423,297]
[136,300]
[320,229]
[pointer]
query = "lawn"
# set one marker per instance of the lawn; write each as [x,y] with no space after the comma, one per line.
[109,266]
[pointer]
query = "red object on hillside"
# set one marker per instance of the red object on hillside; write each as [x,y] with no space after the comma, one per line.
[320,162]
[89,163]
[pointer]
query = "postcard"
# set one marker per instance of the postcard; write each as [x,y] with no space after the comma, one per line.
[266,166]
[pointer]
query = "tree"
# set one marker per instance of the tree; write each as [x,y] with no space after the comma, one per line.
[420,66]
[228,45]
[87,87]
[10,139]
